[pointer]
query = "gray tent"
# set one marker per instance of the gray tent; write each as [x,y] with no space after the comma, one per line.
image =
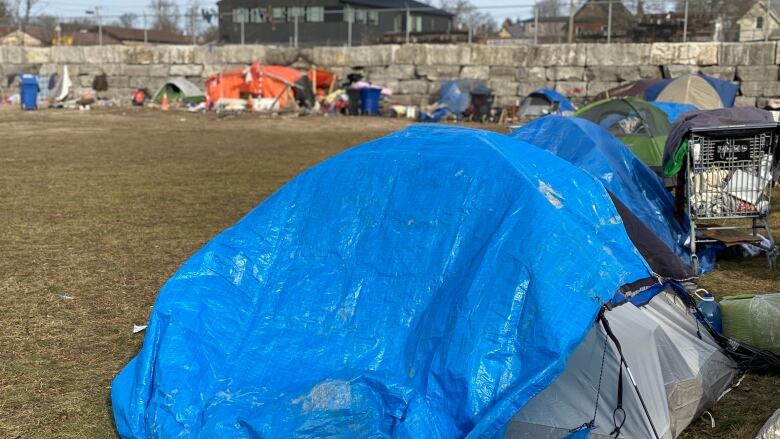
[679,376]
[180,89]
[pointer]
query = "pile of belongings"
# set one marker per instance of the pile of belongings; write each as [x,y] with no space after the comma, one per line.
[454,99]
[449,282]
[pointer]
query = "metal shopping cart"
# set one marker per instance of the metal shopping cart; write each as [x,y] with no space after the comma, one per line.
[729,180]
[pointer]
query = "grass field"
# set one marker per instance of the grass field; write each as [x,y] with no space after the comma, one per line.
[100,208]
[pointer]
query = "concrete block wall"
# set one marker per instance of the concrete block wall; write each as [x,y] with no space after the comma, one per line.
[415,71]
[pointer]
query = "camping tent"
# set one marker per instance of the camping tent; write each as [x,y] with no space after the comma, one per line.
[275,82]
[674,110]
[638,124]
[705,92]
[545,101]
[682,375]
[180,89]
[440,282]
[636,186]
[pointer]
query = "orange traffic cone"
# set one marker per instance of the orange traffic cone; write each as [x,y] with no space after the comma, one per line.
[165,102]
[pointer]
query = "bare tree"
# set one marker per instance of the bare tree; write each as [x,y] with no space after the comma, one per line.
[467,15]
[22,11]
[3,9]
[45,21]
[192,22]
[165,15]
[550,8]
[128,19]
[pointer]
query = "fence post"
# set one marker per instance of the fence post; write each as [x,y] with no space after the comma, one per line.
[408,23]
[571,21]
[349,31]
[609,23]
[766,20]
[295,23]
[685,23]
[536,23]
[146,31]
[470,33]
[242,33]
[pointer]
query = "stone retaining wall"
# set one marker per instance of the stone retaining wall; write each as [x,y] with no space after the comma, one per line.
[414,71]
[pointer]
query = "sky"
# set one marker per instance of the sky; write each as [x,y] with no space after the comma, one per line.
[500,9]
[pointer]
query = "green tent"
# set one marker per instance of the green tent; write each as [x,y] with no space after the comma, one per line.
[640,125]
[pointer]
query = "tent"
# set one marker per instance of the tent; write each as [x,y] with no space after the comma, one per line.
[674,110]
[180,89]
[545,101]
[634,89]
[442,281]
[284,84]
[634,184]
[705,92]
[681,375]
[641,126]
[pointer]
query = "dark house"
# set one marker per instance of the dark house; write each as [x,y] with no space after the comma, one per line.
[591,21]
[326,22]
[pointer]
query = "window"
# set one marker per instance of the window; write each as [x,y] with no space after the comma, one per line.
[279,15]
[295,12]
[240,15]
[415,23]
[257,15]
[361,16]
[315,13]
[397,24]
[373,18]
[349,14]
[759,22]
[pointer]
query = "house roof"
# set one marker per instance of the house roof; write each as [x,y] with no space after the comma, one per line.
[399,4]
[156,36]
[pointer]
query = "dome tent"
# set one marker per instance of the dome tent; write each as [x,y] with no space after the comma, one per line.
[641,126]
[545,101]
[442,281]
[705,92]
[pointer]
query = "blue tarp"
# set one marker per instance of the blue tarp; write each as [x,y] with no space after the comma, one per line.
[424,285]
[594,150]
[564,104]
[674,110]
[725,89]
[451,96]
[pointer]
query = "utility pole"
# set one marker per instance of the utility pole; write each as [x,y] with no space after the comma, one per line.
[350,18]
[146,31]
[96,12]
[571,21]
[295,24]
[685,24]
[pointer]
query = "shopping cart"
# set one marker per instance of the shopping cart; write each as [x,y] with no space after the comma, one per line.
[729,179]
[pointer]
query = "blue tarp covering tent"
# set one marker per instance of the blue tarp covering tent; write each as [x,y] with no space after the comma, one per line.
[674,110]
[563,102]
[594,150]
[426,284]
[725,89]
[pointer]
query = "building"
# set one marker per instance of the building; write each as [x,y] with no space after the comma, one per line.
[550,30]
[326,22]
[753,23]
[13,36]
[592,21]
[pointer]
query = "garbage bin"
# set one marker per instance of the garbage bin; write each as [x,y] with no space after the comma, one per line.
[369,101]
[353,94]
[28,92]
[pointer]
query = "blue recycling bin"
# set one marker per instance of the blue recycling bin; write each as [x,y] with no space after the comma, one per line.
[28,92]
[369,100]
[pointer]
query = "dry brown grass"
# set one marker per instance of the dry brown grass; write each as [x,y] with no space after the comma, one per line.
[104,206]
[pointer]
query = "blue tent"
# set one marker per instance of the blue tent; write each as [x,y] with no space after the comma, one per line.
[564,104]
[426,284]
[594,150]
[725,89]
[673,110]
